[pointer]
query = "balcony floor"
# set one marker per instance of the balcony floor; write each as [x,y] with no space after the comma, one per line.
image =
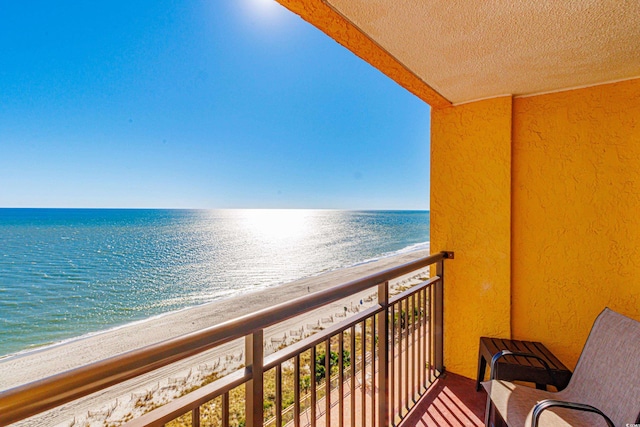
[452,401]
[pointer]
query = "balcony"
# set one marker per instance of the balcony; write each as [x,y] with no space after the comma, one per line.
[542,175]
[382,365]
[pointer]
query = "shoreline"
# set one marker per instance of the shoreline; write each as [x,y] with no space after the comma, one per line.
[418,247]
[42,362]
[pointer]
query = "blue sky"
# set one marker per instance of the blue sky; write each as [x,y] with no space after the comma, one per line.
[198,104]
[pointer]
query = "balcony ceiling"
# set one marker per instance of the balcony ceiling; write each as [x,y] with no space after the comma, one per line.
[472,50]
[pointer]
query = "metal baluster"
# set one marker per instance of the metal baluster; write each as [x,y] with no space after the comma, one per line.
[279,396]
[327,382]
[423,298]
[383,356]
[296,391]
[406,354]
[419,344]
[400,364]
[195,417]
[392,369]
[341,379]
[363,387]
[353,376]
[432,337]
[225,409]
[413,347]
[313,386]
[373,371]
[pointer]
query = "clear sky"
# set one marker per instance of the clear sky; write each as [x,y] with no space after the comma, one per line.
[198,104]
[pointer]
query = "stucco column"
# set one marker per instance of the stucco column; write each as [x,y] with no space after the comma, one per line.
[471,215]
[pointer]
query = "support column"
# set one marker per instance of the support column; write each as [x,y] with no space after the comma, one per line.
[471,215]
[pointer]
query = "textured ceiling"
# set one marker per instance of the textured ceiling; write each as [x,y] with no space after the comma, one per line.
[471,50]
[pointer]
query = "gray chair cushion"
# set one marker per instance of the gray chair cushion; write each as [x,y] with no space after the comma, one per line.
[515,403]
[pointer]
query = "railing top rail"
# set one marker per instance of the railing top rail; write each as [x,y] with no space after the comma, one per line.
[30,399]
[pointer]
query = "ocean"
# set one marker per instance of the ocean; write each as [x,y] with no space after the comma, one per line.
[65,273]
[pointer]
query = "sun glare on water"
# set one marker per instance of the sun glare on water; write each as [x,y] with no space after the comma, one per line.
[278,224]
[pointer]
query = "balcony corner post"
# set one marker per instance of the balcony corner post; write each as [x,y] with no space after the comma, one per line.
[254,389]
[438,313]
[383,352]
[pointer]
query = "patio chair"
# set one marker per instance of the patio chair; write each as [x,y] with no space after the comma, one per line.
[604,389]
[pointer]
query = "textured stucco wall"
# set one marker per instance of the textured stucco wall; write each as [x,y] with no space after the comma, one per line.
[576,212]
[471,215]
[335,26]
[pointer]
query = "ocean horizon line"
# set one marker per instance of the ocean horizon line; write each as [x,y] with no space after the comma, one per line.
[213,209]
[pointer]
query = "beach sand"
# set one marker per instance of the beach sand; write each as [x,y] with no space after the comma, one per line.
[115,402]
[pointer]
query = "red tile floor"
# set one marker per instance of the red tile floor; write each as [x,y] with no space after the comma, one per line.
[452,401]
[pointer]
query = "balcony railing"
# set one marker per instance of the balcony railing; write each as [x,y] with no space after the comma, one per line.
[367,370]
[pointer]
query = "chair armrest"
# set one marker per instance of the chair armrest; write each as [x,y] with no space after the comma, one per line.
[550,403]
[503,353]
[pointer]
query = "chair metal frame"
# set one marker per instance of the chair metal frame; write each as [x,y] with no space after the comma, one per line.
[552,403]
[494,367]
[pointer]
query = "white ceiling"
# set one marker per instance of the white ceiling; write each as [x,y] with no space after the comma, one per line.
[476,49]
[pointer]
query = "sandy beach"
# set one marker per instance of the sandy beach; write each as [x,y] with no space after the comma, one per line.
[114,403]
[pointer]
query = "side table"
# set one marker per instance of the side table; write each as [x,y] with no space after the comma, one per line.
[519,368]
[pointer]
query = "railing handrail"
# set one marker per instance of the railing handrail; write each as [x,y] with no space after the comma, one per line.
[30,399]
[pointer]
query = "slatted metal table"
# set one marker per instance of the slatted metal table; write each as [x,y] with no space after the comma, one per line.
[517,368]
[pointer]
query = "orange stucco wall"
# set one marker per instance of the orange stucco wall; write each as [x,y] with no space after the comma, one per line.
[539,197]
[471,215]
[576,212]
